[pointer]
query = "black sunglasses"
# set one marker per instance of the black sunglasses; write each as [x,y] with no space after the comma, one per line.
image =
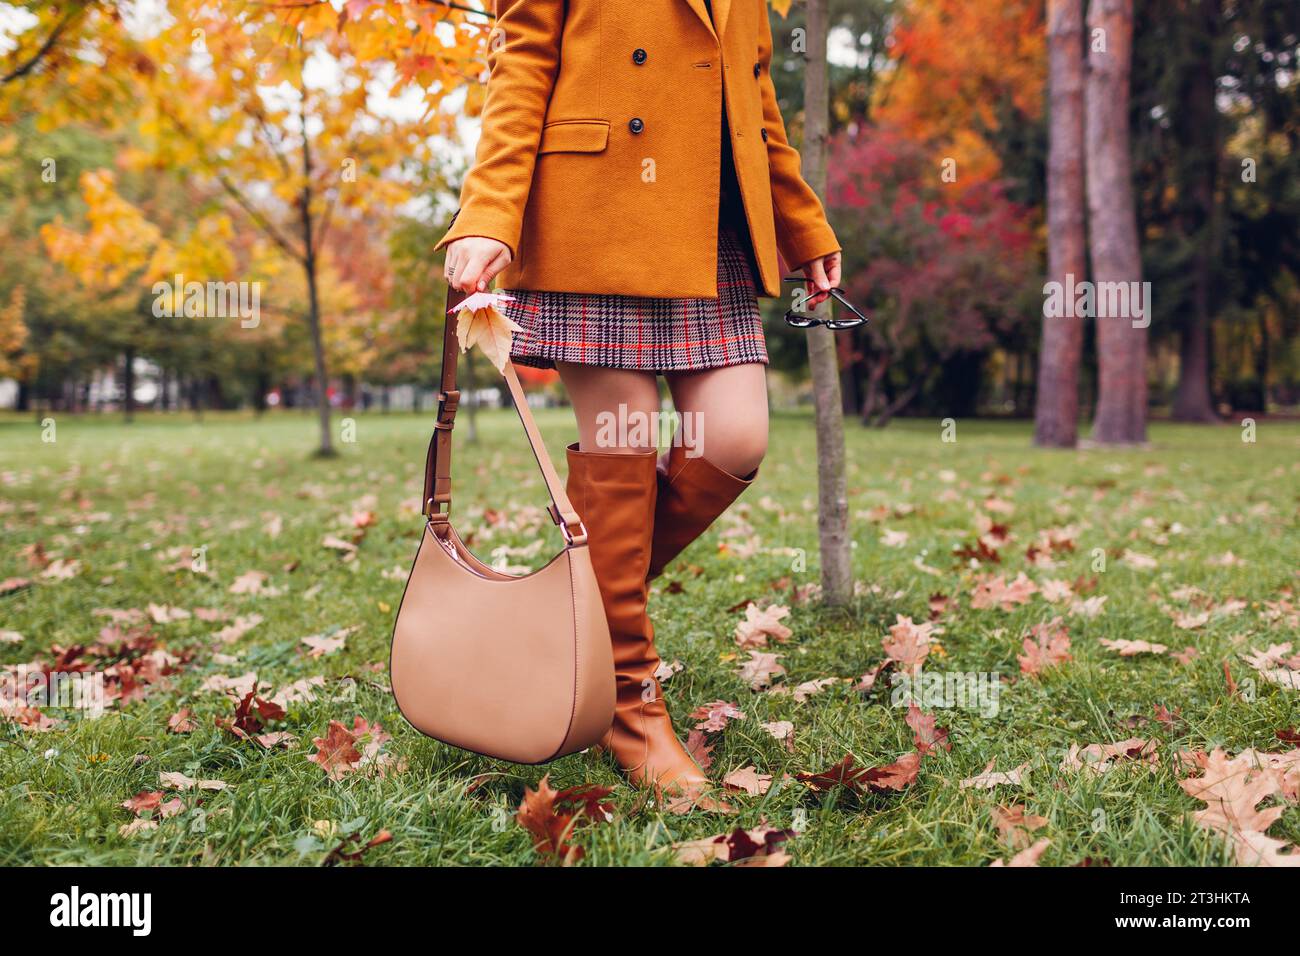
[806,320]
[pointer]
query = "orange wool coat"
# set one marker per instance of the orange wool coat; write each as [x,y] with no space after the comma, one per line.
[598,163]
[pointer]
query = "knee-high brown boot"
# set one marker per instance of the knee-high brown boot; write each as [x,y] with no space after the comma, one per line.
[615,495]
[693,492]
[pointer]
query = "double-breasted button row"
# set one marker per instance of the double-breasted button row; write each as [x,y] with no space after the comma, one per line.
[639,56]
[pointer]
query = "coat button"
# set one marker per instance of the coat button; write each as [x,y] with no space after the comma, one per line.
[635,125]
[758,68]
[765,134]
[638,56]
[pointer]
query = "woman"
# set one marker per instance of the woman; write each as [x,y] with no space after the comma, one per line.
[631,190]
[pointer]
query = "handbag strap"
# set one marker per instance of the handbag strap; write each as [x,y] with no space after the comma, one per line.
[437,465]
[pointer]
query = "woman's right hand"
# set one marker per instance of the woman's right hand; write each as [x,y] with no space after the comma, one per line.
[473,262]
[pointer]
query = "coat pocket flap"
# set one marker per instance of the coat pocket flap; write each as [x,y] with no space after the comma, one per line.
[574,136]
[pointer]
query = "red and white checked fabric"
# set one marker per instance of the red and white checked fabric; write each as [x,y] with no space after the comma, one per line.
[653,335]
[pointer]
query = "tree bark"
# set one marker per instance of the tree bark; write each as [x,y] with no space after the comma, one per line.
[832,490]
[128,385]
[1113,241]
[1192,400]
[313,312]
[1056,409]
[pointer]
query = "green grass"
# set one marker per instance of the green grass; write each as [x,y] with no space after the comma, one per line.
[119,498]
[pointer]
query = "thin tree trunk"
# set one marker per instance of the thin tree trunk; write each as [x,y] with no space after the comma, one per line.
[1056,411]
[313,312]
[1121,340]
[128,385]
[832,489]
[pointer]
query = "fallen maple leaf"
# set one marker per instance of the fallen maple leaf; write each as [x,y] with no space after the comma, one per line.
[758,626]
[1027,857]
[1047,645]
[989,778]
[241,626]
[1259,849]
[701,751]
[714,715]
[1127,648]
[251,716]
[1015,825]
[928,737]
[175,780]
[909,643]
[759,670]
[335,752]
[1232,788]
[181,722]
[782,730]
[894,776]
[749,780]
[550,816]
[250,582]
[760,846]
[810,688]
[1102,757]
[996,592]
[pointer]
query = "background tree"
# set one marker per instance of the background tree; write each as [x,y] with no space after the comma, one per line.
[832,490]
[1121,345]
[1056,411]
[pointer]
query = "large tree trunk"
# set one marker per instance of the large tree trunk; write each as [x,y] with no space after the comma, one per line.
[832,490]
[1121,340]
[1056,411]
[1199,130]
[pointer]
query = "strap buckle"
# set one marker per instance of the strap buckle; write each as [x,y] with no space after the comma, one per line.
[436,510]
[574,539]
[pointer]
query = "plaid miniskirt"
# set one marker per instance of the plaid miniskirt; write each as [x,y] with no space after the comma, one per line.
[647,334]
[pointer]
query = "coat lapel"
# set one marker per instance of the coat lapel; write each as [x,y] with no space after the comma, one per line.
[720,10]
[703,13]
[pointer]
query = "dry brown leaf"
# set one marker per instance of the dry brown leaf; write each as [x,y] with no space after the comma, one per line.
[1027,857]
[989,778]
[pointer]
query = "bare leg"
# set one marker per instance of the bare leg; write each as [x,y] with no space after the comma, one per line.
[613,484]
[729,408]
[596,392]
[714,458]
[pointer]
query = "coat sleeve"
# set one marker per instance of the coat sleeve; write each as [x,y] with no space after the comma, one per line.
[523,61]
[802,232]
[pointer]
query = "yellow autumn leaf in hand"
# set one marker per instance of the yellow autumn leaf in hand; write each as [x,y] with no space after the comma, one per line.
[479,323]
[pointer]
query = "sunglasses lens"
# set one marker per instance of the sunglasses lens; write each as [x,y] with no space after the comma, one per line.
[800,321]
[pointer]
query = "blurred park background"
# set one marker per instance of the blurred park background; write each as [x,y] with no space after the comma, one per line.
[304,157]
[216,229]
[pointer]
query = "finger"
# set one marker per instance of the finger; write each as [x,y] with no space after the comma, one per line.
[452,264]
[472,280]
[499,262]
[833,270]
[818,284]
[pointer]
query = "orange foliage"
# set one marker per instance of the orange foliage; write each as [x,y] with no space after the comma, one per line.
[958,63]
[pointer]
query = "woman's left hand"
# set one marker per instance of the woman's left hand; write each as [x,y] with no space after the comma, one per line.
[823,275]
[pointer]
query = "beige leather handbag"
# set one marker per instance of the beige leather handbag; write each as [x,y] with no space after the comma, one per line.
[518,668]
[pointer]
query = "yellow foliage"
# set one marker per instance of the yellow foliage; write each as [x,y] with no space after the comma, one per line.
[119,244]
